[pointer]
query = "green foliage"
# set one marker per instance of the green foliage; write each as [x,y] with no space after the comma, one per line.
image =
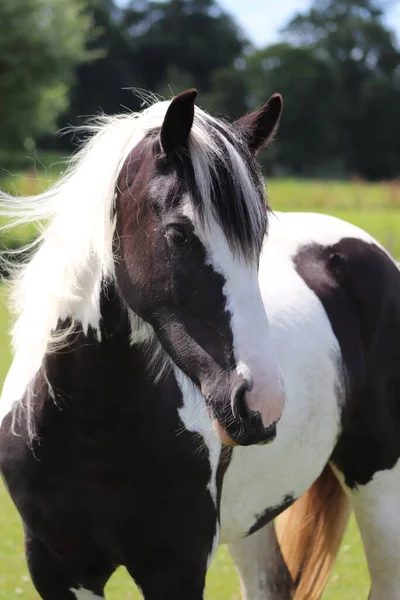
[195,36]
[41,42]
[228,93]
[339,73]
[175,82]
[337,66]
[155,46]
[308,84]
[350,36]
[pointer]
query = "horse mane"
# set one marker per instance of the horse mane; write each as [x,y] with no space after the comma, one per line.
[73,254]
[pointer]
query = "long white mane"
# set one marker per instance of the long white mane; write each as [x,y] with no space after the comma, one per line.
[73,254]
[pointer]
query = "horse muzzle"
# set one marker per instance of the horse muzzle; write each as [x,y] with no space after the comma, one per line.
[246,434]
[238,424]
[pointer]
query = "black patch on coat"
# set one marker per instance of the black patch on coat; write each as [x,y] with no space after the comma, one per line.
[359,287]
[224,462]
[113,476]
[271,513]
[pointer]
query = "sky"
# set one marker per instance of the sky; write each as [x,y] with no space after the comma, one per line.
[262,19]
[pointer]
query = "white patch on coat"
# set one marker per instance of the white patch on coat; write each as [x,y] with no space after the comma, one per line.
[195,417]
[289,231]
[215,544]
[308,351]
[253,347]
[142,334]
[83,594]
[258,560]
[376,508]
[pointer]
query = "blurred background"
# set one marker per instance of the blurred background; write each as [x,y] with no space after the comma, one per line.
[337,65]
[336,62]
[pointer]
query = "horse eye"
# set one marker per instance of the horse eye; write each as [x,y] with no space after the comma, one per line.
[177,236]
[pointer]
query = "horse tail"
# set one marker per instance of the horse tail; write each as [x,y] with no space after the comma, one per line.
[310,532]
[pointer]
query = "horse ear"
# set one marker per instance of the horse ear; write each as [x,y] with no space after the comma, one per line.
[260,126]
[178,122]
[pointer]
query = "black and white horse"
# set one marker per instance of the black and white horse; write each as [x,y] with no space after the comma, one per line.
[168,327]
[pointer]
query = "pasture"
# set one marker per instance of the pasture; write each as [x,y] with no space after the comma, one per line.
[376,208]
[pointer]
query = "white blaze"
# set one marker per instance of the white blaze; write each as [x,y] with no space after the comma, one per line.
[254,350]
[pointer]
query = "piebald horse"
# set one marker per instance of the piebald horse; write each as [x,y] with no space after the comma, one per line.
[188,365]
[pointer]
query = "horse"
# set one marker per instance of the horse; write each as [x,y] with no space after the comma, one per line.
[189,366]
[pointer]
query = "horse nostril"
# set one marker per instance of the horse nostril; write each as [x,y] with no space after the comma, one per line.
[238,400]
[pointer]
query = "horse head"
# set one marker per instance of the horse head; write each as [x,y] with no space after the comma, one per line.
[191,216]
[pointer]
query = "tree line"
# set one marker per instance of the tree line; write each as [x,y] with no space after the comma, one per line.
[337,66]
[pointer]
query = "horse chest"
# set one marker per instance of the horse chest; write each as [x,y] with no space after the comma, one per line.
[261,482]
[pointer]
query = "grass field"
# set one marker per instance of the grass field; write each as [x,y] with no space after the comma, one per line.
[373,207]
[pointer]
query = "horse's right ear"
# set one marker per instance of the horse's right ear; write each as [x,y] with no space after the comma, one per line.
[178,122]
[260,126]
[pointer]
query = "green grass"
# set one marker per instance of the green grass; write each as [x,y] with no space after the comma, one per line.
[376,208]
[305,194]
[349,579]
[373,207]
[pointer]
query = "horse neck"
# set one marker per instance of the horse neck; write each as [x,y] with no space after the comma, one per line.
[99,369]
[107,401]
[108,389]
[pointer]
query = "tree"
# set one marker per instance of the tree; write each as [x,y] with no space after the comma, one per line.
[307,82]
[41,42]
[156,46]
[194,36]
[376,144]
[99,85]
[228,94]
[351,35]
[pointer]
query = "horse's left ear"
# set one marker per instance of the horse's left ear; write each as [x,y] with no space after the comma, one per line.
[178,122]
[260,126]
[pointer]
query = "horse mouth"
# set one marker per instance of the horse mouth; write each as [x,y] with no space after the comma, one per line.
[254,433]
[223,434]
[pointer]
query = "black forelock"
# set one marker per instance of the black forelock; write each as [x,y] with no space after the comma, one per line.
[243,220]
[234,211]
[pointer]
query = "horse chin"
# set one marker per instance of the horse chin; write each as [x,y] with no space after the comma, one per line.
[223,434]
[255,435]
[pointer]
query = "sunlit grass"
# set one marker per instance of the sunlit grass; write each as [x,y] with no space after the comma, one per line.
[303,194]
